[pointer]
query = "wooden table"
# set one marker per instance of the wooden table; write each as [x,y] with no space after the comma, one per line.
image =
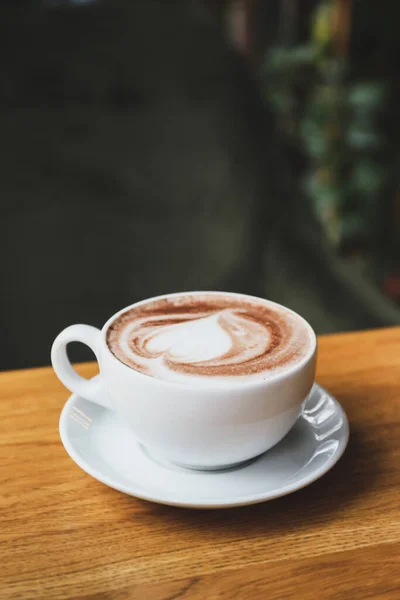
[65,535]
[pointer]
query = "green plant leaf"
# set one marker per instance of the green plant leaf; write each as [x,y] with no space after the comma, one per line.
[361,138]
[368,177]
[314,139]
[277,60]
[366,96]
[304,55]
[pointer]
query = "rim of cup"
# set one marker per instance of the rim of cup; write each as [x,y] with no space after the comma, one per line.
[209,383]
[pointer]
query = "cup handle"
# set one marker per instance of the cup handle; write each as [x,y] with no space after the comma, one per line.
[91,389]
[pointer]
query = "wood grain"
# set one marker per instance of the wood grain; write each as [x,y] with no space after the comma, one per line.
[66,536]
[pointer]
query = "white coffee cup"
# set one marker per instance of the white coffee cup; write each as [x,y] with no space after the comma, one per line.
[207,427]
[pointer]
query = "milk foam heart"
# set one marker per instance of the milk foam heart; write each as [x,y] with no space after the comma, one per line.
[205,336]
[191,341]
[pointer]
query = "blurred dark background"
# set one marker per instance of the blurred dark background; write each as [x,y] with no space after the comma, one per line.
[158,146]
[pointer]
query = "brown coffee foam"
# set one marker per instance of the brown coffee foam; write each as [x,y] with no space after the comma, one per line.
[289,336]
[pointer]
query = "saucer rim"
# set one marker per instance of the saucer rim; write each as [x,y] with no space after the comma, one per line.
[205,503]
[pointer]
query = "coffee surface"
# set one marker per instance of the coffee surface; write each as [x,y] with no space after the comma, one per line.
[199,337]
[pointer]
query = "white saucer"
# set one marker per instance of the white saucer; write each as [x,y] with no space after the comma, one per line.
[106,449]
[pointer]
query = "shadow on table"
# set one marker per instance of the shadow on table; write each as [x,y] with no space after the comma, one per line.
[319,502]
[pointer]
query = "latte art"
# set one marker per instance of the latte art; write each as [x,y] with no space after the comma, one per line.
[207,336]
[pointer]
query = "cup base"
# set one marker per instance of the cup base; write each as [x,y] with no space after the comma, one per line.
[160,459]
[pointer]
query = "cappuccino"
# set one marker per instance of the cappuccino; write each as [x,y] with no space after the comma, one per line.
[209,336]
